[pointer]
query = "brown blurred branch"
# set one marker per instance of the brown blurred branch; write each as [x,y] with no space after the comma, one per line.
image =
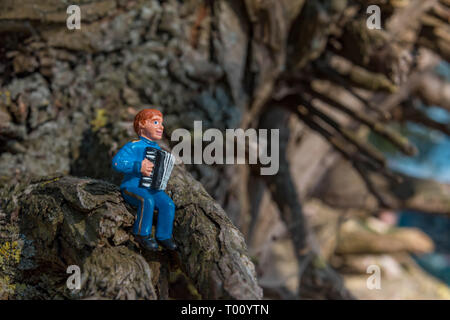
[316,278]
[375,125]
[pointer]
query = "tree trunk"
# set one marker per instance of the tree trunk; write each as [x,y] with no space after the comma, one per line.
[68,98]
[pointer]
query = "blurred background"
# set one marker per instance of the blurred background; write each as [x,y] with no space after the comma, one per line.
[364,119]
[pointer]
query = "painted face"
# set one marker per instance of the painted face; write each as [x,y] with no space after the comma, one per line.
[152,128]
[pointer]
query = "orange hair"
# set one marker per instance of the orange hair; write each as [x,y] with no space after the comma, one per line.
[145,115]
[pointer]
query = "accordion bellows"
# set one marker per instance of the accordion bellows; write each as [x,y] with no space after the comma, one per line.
[163,164]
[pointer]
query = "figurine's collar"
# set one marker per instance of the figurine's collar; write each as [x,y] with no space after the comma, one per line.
[147,140]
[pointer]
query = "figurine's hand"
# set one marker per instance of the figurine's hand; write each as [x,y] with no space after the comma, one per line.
[146,167]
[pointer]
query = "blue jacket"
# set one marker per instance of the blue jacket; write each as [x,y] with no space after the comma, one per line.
[128,161]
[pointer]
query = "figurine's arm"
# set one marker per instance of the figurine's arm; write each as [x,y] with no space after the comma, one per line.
[126,161]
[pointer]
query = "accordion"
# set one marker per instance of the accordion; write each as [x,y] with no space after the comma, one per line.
[163,164]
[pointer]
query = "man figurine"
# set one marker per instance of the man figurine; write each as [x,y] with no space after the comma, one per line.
[130,160]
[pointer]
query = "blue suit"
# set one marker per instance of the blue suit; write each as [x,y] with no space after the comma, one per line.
[128,161]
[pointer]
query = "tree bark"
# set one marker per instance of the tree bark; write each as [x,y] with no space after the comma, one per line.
[85,222]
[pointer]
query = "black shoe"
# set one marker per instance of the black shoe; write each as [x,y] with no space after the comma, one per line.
[168,244]
[147,242]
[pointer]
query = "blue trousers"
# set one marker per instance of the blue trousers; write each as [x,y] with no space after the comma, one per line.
[146,201]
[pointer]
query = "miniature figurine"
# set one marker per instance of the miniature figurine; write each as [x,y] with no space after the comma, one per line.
[133,160]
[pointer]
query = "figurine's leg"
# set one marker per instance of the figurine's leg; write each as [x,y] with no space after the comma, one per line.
[166,215]
[143,200]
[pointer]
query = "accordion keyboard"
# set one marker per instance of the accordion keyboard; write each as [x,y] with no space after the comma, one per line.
[163,164]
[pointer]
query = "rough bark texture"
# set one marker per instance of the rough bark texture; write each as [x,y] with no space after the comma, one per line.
[67,101]
[67,221]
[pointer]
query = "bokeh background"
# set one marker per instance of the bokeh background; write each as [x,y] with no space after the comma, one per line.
[363,116]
